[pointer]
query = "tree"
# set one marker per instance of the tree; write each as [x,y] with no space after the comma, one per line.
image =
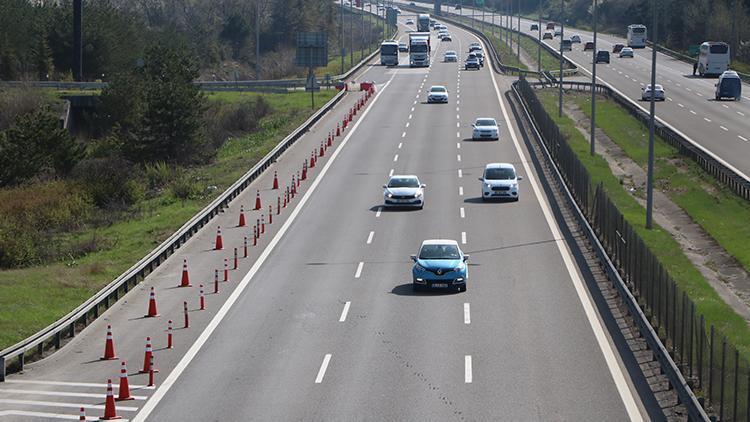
[236,31]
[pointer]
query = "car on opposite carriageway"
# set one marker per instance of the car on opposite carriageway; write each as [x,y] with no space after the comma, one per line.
[440,264]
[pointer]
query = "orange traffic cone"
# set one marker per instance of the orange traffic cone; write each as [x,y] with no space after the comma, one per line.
[185,280]
[275,180]
[257,200]
[219,243]
[124,393]
[322,152]
[338,130]
[242,217]
[304,171]
[110,413]
[109,346]
[312,159]
[330,139]
[152,312]
[147,357]
[82,416]
[270,214]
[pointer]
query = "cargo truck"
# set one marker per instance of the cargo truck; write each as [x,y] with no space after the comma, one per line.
[419,49]
[423,22]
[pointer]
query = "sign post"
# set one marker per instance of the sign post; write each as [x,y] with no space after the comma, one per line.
[312,52]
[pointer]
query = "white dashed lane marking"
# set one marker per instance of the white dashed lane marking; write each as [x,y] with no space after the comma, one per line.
[344,312]
[463,238]
[462,212]
[370,236]
[377,214]
[742,137]
[461,191]
[467,314]
[323,368]
[358,273]
[468,378]
[460,173]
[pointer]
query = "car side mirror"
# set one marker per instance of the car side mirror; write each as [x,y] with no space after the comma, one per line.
[519,177]
[480,179]
[385,186]
[423,185]
[473,125]
[466,258]
[413,258]
[716,84]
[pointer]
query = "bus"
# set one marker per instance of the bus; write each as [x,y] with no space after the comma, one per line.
[637,36]
[713,58]
[389,53]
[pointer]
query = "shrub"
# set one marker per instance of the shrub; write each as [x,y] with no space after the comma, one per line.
[110,181]
[184,187]
[223,120]
[157,174]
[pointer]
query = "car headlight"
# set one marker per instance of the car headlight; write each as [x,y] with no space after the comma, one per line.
[459,268]
[390,195]
[418,267]
[514,186]
[487,185]
[418,195]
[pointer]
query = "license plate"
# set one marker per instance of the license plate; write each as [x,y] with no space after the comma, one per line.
[439,285]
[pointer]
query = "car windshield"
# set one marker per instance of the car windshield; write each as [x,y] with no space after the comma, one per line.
[499,174]
[419,48]
[403,182]
[439,252]
[486,122]
[437,89]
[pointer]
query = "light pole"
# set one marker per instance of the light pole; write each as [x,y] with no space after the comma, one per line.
[652,115]
[593,87]
[257,39]
[518,40]
[539,43]
[560,78]
[351,33]
[341,38]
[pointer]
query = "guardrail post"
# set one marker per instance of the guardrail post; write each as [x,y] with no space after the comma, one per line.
[58,339]
[2,369]
[701,334]
[736,382]
[723,377]
[711,367]
[21,358]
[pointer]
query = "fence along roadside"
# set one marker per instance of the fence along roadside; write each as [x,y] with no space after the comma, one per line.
[706,360]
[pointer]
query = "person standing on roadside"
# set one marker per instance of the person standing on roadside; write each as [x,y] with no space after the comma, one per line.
[695,67]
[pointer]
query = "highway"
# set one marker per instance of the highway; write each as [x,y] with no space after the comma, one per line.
[719,127]
[320,322]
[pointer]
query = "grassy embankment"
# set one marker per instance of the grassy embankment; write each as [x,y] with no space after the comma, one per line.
[689,187]
[32,298]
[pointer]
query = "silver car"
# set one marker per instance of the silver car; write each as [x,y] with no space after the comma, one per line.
[658,93]
[627,52]
[404,191]
[450,56]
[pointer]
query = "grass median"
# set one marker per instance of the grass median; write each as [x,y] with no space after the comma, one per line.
[621,126]
[32,298]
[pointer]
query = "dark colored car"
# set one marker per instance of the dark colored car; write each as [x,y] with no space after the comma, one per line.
[534,27]
[458,6]
[617,47]
[588,46]
[550,25]
[602,56]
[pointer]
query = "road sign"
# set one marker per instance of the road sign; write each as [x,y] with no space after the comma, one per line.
[479,3]
[694,49]
[312,49]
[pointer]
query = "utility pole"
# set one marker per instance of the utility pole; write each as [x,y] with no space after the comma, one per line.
[539,43]
[362,18]
[257,39]
[560,78]
[518,41]
[593,86]
[510,25]
[78,40]
[735,44]
[652,116]
[351,33]
[341,38]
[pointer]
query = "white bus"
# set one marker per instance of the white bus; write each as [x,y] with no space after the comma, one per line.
[389,53]
[713,58]
[637,36]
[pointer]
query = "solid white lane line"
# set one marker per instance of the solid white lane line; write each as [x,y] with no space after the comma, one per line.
[322,370]
[461,191]
[460,173]
[358,273]
[369,237]
[596,326]
[60,404]
[391,173]
[462,212]
[170,380]
[463,238]
[377,214]
[60,393]
[344,312]
[467,369]
[400,144]
[403,135]
[467,314]
[723,128]
[742,137]
[395,158]
[458,157]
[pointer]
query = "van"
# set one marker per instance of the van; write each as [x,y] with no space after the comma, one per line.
[566,45]
[602,56]
[729,86]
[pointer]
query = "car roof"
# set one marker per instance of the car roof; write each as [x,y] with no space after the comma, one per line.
[486,118]
[438,86]
[729,74]
[409,176]
[499,166]
[439,242]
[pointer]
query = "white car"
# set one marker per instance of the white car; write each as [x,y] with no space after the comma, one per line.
[450,56]
[627,52]
[576,39]
[410,21]
[500,181]
[485,128]
[437,94]
[404,191]
[658,93]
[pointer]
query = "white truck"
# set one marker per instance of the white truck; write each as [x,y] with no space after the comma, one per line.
[419,49]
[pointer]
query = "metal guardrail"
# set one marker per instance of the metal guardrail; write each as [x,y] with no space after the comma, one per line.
[579,182]
[53,335]
[719,171]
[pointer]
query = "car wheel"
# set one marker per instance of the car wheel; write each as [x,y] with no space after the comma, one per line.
[484,198]
[717,98]
[516,199]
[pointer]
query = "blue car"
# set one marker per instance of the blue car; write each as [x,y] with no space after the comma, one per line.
[440,265]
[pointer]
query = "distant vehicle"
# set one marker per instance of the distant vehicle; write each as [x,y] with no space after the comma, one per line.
[729,86]
[534,27]
[480,56]
[658,93]
[575,39]
[472,62]
[437,94]
[404,191]
[617,47]
[637,36]
[419,49]
[485,128]
[450,56]
[389,53]
[713,58]
[474,47]
[457,6]
[588,46]
[440,264]
[432,22]
[447,37]
[423,22]
[627,52]
[500,181]
[441,34]
[410,21]
[602,56]
[566,44]
[403,47]
[558,32]
[547,35]
[550,25]
[411,3]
